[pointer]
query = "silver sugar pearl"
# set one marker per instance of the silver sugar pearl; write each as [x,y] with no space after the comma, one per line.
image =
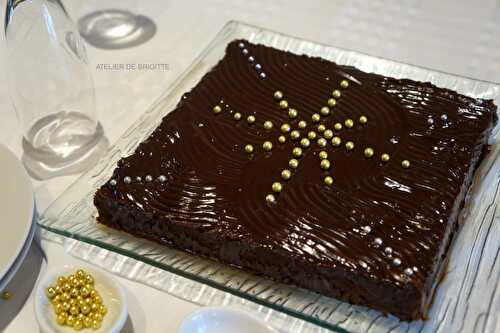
[251,59]
[263,75]
[112,182]
[430,121]
[127,180]
[241,45]
[367,229]
[148,178]
[444,117]
[408,271]
[415,269]
[244,51]
[258,67]
[388,250]
[162,178]
[378,241]
[363,264]
[138,178]
[396,261]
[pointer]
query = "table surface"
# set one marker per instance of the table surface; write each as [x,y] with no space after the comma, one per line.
[460,37]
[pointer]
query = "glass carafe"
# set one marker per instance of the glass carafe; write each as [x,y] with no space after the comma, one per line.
[51,89]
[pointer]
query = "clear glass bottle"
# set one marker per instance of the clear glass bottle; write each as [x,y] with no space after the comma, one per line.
[51,89]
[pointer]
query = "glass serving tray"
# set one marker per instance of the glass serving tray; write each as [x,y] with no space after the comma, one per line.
[468,298]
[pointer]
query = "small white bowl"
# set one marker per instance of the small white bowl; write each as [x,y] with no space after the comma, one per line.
[111,291]
[223,319]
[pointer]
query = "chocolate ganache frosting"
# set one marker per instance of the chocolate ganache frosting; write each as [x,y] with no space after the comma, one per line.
[312,173]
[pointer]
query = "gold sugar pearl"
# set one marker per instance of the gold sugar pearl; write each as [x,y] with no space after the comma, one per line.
[349,145]
[336,141]
[61,319]
[98,300]
[50,292]
[70,321]
[323,155]
[281,139]
[322,142]
[96,324]
[336,93]
[74,310]
[363,120]
[87,322]
[295,134]
[292,113]
[286,174]
[328,134]
[349,123]
[97,316]
[249,148]
[80,316]
[89,279]
[58,308]
[283,104]
[344,84]
[369,152]
[325,111]
[65,297]
[337,126]
[58,289]
[321,128]
[305,143]
[325,164]
[74,292]
[85,309]
[297,152]
[73,302]
[78,325]
[65,306]
[56,299]
[93,306]
[302,124]
[311,135]
[328,180]
[66,287]
[277,187]
[293,163]
[285,128]
[80,273]
[217,109]
[332,102]
[267,146]
[71,279]
[268,124]
[251,119]
[385,157]
[270,198]
[237,116]
[102,309]
[405,164]
[315,118]
[61,281]
[278,95]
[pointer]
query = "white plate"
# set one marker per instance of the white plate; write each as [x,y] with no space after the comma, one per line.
[20,259]
[223,319]
[16,209]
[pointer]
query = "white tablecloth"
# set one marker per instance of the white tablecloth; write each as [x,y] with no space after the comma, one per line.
[450,35]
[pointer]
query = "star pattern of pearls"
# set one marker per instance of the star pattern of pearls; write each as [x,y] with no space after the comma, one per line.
[305,138]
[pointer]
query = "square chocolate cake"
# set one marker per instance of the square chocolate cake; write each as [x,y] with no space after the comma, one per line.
[342,182]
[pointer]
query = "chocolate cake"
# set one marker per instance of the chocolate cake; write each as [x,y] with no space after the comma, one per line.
[310,173]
